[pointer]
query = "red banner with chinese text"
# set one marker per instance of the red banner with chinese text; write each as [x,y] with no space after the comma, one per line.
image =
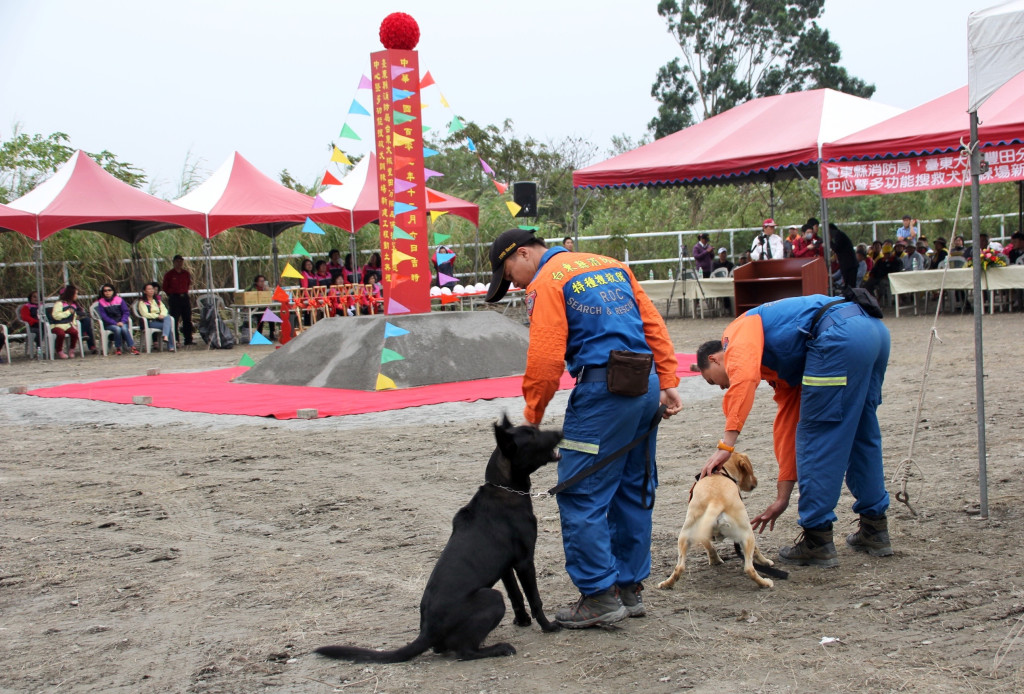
[401,190]
[904,175]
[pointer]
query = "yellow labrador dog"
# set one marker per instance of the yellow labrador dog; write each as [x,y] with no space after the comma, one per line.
[716,512]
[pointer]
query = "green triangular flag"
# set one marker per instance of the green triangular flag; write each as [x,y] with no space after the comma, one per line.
[246,360]
[349,133]
[455,126]
[427,128]
[440,238]
[525,227]
[400,118]
[390,355]
[400,233]
[299,250]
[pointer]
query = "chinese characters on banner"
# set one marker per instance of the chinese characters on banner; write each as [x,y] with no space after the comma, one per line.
[885,176]
[401,193]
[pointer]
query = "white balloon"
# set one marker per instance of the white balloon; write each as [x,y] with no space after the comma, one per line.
[446,291]
[435,291]
[458,289]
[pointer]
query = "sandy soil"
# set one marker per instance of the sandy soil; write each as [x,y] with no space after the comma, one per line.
[146,550]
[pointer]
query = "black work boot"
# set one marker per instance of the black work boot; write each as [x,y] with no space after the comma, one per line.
[813,547]
[872,536]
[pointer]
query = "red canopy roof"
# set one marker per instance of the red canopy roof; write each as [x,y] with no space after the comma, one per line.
[16,220]
[240,195]
[81,195]
[772,137]
[938,126]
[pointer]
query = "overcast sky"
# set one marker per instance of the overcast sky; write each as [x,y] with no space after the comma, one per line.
[153,81]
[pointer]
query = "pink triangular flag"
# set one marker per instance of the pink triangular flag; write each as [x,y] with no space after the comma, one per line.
[487,167]
[502,187]
[269,316]
[429,173]
[364,82]
[402,186]
[397,70]
[395,307]
[320,202]
[443,279]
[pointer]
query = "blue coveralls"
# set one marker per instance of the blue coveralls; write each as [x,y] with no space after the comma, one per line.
[840,365]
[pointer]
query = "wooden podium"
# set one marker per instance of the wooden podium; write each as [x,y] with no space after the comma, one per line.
[761,281]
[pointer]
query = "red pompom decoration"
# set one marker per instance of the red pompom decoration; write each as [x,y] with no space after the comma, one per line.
[399,31]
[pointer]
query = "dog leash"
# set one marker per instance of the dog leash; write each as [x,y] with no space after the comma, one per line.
[607,460]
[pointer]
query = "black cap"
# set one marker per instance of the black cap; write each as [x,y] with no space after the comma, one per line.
[504,246]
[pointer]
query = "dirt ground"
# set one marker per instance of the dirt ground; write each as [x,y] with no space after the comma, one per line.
[146,550]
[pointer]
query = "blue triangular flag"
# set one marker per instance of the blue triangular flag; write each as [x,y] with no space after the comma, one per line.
[469,143]
[357,107]
[310,227]
[258,339]
[427,152]
[444,257]
[399,94]
[393,330]
[402,208]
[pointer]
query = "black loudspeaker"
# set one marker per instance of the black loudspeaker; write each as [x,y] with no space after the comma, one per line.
[524,193]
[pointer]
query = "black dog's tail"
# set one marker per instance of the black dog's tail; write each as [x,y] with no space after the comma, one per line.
[763,568]
[368,655]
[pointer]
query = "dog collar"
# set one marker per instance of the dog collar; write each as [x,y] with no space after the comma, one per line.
[719,471]
[516,491]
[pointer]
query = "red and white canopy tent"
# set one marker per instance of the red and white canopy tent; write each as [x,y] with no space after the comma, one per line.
[81,195]
[16,220]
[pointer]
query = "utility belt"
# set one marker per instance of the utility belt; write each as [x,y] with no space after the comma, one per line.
[855,302]
[626,373]
[826,321]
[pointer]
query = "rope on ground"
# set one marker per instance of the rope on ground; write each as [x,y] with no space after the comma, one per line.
[904,471]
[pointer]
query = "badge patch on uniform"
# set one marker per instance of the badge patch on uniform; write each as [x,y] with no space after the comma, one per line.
[530,299]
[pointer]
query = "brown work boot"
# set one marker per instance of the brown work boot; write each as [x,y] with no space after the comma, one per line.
[633,599]
[813,547]
[872,536]
[591,610]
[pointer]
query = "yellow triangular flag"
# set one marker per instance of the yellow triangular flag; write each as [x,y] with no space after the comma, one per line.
[444,102]
[397,256]
[434,214]
[402,140]
[289,271]
[340,157]
[513,208]
[385,383]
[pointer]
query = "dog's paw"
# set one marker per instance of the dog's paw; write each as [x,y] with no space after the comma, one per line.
[768,583]
[551,627]
[666,584]
[501,649]
[522,620]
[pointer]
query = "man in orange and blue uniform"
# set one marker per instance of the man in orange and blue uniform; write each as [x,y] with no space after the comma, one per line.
[826,359]
[581,307]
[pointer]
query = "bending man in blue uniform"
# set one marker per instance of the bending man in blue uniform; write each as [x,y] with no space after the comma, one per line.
[825,358]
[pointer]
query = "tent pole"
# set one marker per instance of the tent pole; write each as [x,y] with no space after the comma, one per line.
[273,250]
[979,306]
[1020,205]
[37,256]
[825,235]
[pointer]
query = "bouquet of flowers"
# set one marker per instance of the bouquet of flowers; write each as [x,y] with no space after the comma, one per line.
[990,258]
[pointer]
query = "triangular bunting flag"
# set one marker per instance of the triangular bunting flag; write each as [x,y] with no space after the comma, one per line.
[339,156]
[300,250]
[444,258]
[258,339]
[329,180]
[444,102]
[455,126]
[395,307]
[401,162]
[311,227]
[393,331]
[400,118]
[398,279]
[400,233]
[385,383]
[440,238]
[443,278]
[427,80]
[402,140]
[364,82]
[502,187]
[289,271]
[319,202]
[449,298]
[435,214]
[358,108]
[348,132]
[487,167]
[469,143]
[387,355]
[400,94]
[427,129]
[397,70]
[427,152]
[434,197]
[397,256]
[269,316]
[429,173]
[246,360]
[513,208]
[402,185]
[402,208]
[527,227]
[280,295]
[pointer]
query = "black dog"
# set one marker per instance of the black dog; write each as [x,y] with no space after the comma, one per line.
[493,537]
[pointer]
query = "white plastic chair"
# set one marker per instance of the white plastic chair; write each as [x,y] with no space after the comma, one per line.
[100,330]
[31,348]
[148,332]
[720,272]
[6,342]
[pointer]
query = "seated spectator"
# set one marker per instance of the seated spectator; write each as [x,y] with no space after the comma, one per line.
[29,315]
[64,323]
[911,259]
[862,264]
[957,249]
[743,259]
[154,310]
[1016,248]
[84,324]
[868,260]
[334,265]
[925,253]
[889,263]
[969,251]
[810,244]
[323,275]
[113,312]
[353,273]
[308,273]
[372,271]
[723,260]
[939,252]
[791,238]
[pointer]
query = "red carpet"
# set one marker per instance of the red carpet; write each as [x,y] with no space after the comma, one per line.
[214,393]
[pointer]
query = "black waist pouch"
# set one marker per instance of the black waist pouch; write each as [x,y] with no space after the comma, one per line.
[628,372]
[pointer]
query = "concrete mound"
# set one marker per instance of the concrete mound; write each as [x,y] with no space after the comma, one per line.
[442,347]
